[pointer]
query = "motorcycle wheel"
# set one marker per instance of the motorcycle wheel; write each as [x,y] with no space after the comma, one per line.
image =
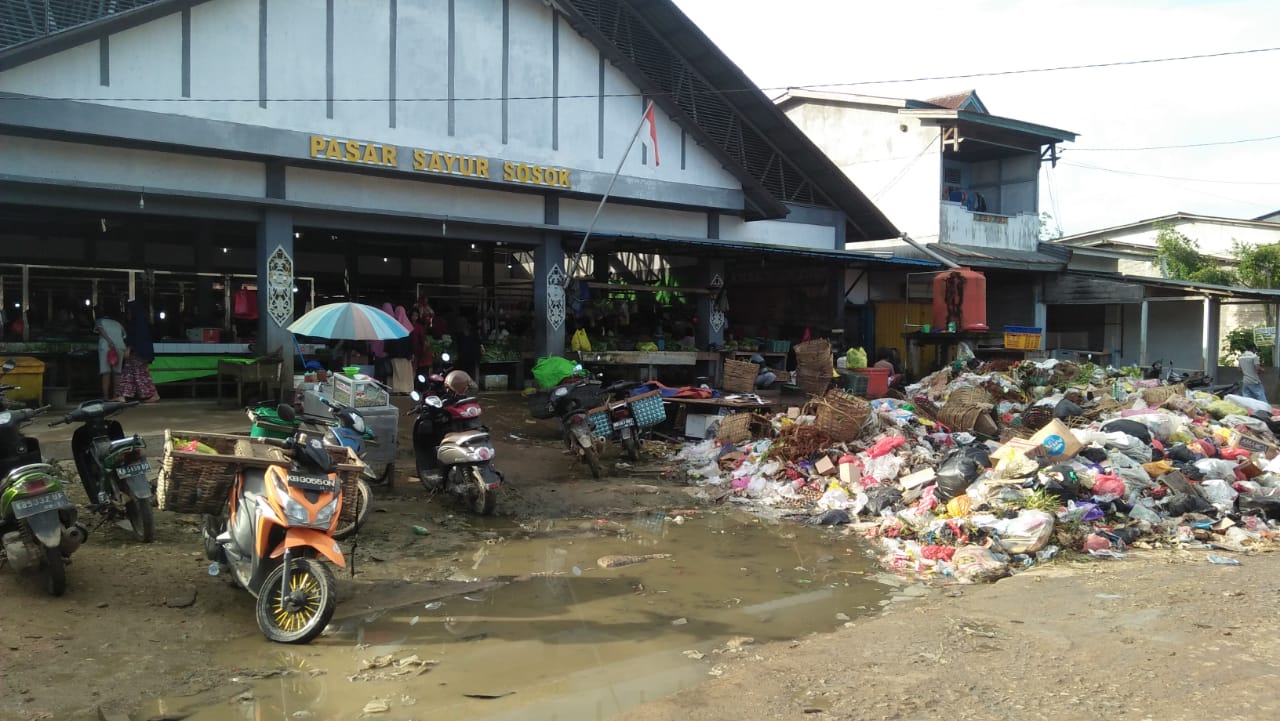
[631,445]
[300,619]
[483,500]
[55,571]
[141,518]
[364,498]
[593,460]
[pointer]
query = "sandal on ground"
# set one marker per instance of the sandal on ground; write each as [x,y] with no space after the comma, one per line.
[153,399]
[118,399]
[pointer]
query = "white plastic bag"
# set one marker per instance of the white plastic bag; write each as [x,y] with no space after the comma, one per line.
[1250,403]
[835,499]
[1219,493]
[1028,532]
[1213,468]
[884,468]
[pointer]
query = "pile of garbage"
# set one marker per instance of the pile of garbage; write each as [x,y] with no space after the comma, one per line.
[1053,458]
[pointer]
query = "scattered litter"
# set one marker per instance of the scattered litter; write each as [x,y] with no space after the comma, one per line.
[376,706]
[695,655]
[1221,560]
[482,695]
[980,471]
[680,622]
[434,605]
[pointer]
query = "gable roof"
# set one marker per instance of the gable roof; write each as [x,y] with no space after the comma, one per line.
[1094,237]
[657,47]
[967,100]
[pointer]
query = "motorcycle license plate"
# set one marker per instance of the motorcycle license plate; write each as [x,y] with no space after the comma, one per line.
[25,507]
[624,423]
[133,469]
[313,483]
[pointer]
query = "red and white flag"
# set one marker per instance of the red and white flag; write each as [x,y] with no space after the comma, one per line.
[649,132]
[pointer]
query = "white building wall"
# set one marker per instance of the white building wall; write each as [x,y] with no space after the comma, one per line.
[436,199]
[142,170]
[777,232]
[899,170]
[1213,238]
[633,219]
[146,63]
[1018,232]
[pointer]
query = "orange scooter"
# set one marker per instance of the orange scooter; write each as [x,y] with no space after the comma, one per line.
[278,523]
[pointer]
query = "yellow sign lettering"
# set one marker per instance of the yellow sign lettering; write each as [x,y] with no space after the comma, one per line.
[430,161]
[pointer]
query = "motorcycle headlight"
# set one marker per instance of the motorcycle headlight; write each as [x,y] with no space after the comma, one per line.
[296,514]
[357,423]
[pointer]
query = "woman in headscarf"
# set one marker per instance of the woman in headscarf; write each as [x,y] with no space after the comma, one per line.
[378,352]
[110,349]
[135,376]
[423,356]
[401,354]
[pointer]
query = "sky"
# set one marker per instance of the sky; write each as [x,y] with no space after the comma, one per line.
[804,42]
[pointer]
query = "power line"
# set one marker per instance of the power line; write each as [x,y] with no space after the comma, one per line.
[1208,144]
[712,91]
[1237,200]
[1170,177]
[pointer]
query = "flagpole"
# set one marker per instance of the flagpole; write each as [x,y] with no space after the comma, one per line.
[577,258]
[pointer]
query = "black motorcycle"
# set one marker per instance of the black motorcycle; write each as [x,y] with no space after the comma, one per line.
[624,427]
[570,402]
[112,466]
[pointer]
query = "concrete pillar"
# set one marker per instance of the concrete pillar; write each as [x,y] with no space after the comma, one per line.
[275,231]
[1142,332]
[549,296]
[1209,335]
[711,323]
[1041,311]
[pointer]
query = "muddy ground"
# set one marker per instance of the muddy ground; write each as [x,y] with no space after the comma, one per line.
[1157,635]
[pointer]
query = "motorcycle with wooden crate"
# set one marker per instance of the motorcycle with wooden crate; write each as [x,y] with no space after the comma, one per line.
[270,508]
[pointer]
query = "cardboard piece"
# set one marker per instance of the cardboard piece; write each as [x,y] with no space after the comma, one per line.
[1059,442]
[793,412]
[1178,483]
[824,467]
[918,479]
[850,475]
[1253,444]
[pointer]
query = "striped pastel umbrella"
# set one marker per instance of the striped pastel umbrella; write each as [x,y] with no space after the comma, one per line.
[348,321]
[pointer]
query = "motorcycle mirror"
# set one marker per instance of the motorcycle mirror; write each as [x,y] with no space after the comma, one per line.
[9,365]
[445,357]
[416,396]
[285,411]
[435,402]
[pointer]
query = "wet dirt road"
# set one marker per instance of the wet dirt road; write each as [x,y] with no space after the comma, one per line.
[550,634]
[514,607]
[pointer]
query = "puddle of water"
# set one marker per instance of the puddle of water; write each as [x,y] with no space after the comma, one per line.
[566,638]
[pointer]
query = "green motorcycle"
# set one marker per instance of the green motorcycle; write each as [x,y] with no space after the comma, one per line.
[38,526]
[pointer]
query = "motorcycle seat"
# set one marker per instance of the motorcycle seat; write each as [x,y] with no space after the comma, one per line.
[463,438]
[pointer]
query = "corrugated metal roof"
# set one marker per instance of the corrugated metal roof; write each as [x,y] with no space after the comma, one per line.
[1046,259]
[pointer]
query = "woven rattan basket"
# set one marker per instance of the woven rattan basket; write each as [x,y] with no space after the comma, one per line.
[975,418]
[739,376]
[1156,396]
[739,427]
[1037,417]
[840,415]
[969,397]
[194,482]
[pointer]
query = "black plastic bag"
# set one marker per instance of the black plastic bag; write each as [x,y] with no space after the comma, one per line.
[1180,504]
[1066,409]
[1253,503]
[959,470]
[833,517]
[1060,482]
[880,498]
[1094,455]
[1129,428]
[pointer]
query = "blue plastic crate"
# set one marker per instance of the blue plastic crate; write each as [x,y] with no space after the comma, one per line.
[599,420]
[648,409]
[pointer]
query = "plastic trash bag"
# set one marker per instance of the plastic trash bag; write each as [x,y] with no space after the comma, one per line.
[856,358]
[882,498]
[1219,493]
[1249,403]
[959,470]
[835,499]
[1179,504]
[884,468]
[1215,468]
[1129,426]
[1140,512]
[549,371]
[1028,532]
[975,564]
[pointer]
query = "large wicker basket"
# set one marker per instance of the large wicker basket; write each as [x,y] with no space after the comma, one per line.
[840,415]
[738,427]
[968,417]
[967,396]
[739,376]
[194,482]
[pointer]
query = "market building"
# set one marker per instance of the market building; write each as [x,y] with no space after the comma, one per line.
[236,161]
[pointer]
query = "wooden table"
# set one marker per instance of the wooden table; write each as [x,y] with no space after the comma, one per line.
[647,359]
[264,372]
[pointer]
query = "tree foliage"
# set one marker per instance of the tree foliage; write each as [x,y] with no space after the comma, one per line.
[1181,259]
[1258,265]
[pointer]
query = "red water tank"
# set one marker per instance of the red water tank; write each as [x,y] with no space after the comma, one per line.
[960,295]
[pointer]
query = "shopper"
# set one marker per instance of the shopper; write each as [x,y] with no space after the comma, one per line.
[1251,380]
[400,352]
[423,356]
[135,375]
[764,376]
[110,349]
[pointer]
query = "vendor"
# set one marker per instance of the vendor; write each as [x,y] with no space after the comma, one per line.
[764,376]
